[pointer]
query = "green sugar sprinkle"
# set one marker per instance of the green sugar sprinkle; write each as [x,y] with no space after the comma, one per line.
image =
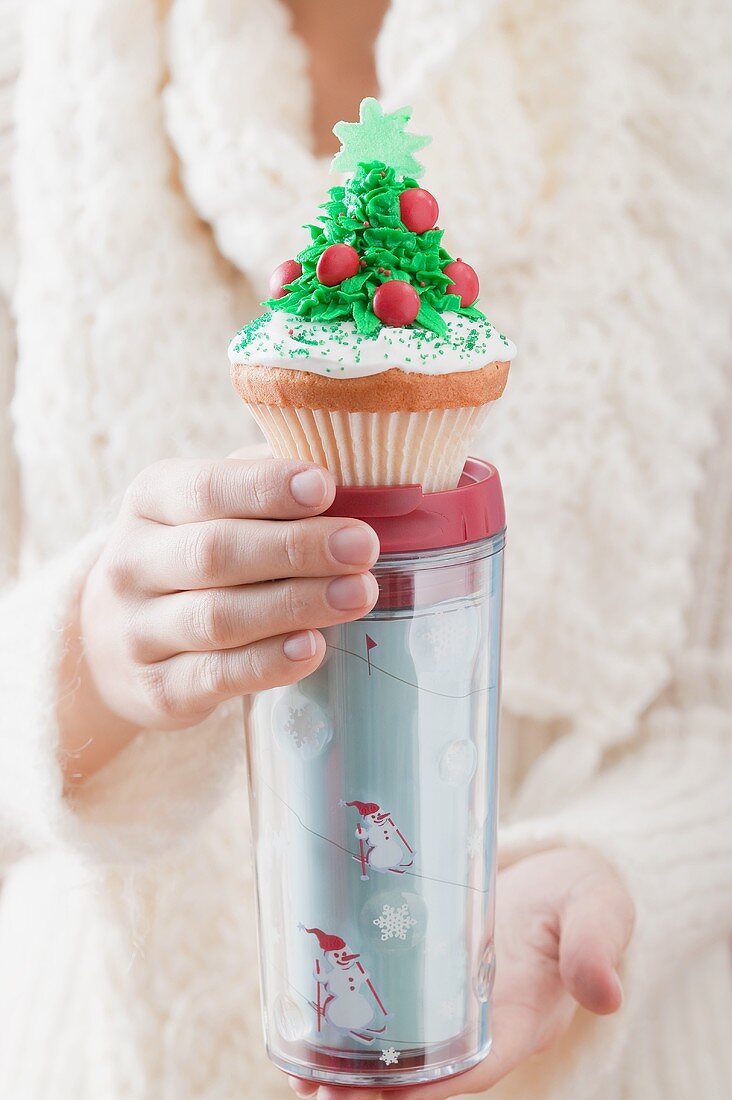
[338,343]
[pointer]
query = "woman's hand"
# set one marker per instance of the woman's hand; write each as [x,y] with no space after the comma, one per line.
[213,584]
[563,922]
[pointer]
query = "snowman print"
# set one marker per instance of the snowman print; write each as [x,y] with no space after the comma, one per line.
[382,845]
[345,996]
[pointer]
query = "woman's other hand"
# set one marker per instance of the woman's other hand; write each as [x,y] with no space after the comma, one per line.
[563,922]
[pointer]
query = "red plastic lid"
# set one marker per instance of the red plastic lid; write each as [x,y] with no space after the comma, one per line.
[406,519]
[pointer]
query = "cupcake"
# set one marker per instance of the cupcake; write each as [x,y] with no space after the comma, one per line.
[372,358]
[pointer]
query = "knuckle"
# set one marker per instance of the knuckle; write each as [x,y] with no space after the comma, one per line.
[295,604]
[210,619]
[214,673]
[134,636]
[203,550]
[201,489]
[261,487]
[140,491]
[158,691]
[298,547]
[257,665]
[119,571]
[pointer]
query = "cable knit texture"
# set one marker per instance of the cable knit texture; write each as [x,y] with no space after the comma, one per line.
[161,169]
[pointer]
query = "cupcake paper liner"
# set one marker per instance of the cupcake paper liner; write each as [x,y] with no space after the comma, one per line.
[376,448]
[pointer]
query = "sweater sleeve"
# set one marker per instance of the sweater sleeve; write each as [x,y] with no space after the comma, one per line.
[155,792]
[32,616]
[662,816]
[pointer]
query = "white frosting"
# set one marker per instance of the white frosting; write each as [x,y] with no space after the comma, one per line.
[336,349]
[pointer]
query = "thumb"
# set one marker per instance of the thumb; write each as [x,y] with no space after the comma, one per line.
[596,924]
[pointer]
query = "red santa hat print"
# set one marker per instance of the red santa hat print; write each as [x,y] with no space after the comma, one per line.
[366,809]
[326,941]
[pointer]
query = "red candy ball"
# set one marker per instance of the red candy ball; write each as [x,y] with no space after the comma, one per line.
[338,262]
[418,209]
[287,272]
[396,303]
[464,281]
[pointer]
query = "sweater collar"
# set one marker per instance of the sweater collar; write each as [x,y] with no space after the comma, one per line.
[417,41]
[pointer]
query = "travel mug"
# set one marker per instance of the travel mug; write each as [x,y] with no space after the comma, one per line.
[373,802]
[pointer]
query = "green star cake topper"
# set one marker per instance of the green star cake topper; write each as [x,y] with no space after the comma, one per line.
[379,136]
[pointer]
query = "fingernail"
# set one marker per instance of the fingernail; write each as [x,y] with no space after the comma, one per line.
[309,487]
[354,545]
[348,593]
[301,646]
[301,1088]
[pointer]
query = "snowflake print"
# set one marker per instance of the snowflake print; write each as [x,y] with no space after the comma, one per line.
[303,726]
[300,725]
[390,1056]
[395,922]
[444,645]
[447,634]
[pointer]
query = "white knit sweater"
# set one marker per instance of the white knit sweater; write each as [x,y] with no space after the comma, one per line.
[159,172]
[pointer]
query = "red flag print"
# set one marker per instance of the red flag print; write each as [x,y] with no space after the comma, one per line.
[370,644]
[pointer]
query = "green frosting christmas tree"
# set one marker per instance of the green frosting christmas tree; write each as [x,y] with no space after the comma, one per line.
[376,256]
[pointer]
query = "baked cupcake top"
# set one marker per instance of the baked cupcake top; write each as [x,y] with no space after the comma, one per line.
[375,288]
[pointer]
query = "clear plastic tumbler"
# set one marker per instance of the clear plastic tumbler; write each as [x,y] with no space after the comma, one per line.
[373,803]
